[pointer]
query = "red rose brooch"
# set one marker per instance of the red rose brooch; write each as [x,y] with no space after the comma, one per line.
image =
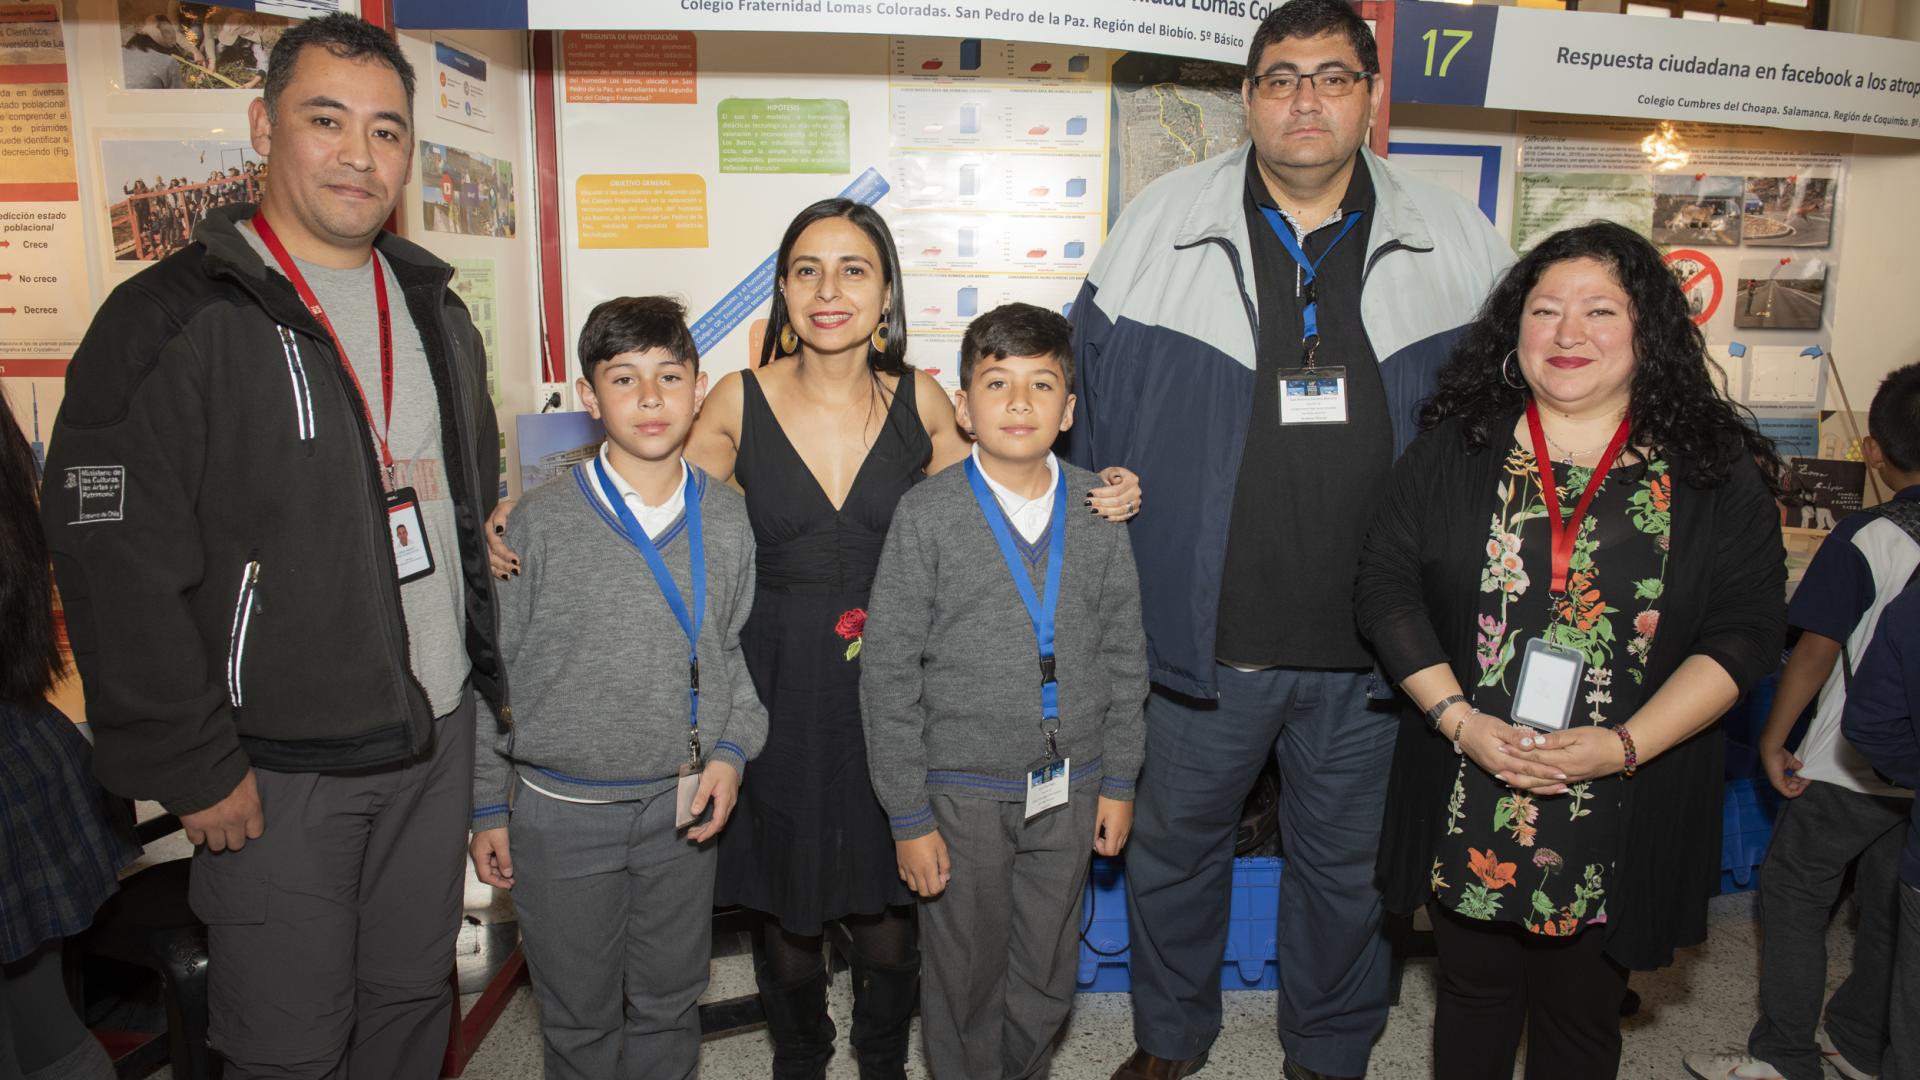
[852,628]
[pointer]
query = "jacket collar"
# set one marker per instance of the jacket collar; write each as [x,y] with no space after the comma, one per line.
[228,251]
[1219,208]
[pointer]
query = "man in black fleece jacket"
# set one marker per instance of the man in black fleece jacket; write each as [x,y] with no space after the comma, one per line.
[247,426]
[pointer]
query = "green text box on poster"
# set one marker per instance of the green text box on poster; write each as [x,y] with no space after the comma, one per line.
[783,135]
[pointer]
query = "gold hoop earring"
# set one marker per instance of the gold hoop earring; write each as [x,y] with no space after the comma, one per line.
[1508,379]
[789,341]
[879,339]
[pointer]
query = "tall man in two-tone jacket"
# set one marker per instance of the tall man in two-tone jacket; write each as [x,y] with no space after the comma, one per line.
[249,426]
[1253,341]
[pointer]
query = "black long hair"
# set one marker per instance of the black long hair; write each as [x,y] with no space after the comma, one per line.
[29,657]
[893,361]
[1677,410]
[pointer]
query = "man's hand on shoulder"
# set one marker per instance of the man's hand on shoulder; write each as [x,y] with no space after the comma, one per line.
[228,824]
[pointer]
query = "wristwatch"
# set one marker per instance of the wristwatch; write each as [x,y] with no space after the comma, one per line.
[1440,708]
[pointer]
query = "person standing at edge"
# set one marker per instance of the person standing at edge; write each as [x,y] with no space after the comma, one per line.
[247,423]
[1253,341]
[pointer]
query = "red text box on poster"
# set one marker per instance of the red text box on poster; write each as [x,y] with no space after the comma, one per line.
[630,67]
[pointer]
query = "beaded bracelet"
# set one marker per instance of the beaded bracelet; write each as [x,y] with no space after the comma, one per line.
[1460,726]
[1626,745]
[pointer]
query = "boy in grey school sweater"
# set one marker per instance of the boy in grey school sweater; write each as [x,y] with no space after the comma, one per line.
[633,713]
[1000,767]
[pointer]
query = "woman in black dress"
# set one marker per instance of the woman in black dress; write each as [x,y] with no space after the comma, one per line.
[824,437]
[1585,539]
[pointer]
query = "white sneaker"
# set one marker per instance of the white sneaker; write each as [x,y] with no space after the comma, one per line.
[1838,1060]
[1729,1065]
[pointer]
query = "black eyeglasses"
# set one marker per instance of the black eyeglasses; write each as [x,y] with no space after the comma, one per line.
[1332,82]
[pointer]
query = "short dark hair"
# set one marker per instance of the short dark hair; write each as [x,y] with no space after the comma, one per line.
[1894,418]
[31,659]
[628,324]
[345,36]
[1312,18]
[1017,330]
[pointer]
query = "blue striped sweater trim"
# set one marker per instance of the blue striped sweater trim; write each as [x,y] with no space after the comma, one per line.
[672,531]
[565,779]
[953,778]
[730,747]
[908,821]
[489,811]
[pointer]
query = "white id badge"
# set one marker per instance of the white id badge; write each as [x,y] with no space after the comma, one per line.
[1549,685]
[412,558]
[1047,785]
[689,786]
[1316,395]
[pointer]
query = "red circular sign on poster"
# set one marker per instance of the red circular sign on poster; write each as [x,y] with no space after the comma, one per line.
[1699,278]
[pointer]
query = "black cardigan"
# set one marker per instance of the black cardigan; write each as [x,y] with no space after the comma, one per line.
[1416,598]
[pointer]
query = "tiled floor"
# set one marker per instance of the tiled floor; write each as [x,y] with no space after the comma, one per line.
[1706,999]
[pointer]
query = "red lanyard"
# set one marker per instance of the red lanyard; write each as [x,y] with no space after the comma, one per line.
[292,270]
[1564,532]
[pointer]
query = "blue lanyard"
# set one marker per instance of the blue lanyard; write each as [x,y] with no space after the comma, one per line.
[697,561]
[1309,315]
[1040,612]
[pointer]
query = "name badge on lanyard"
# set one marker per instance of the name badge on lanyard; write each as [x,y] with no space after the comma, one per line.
[412,557]
[1548,688]
[1311,394]
[1049,777]
[690,617]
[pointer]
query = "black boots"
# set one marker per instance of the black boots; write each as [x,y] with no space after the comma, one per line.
[798,1024]
[883,1002]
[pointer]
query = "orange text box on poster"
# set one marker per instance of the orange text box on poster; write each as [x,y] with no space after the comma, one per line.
[642,210]
[630,67]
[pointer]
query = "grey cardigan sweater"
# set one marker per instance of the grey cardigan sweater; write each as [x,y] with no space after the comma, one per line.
[601,712]
[950,677]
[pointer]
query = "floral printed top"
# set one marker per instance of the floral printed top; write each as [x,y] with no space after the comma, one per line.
[1543,861]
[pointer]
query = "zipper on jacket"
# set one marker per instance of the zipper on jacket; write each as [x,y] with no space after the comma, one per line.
[302,392]
[245,605]
[1239,278]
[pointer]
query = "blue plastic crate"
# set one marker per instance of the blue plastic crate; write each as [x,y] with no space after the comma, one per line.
[1248,963]
[1746,827]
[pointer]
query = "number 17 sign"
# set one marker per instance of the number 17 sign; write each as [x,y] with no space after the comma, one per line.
[1442,53]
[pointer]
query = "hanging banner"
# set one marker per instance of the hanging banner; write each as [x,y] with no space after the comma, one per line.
[1610,65]
[1532,60]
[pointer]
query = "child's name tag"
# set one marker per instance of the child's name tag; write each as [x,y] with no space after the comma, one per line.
[1047,785]
[1549,685]
[412,558]
[683,794]
[1316,395]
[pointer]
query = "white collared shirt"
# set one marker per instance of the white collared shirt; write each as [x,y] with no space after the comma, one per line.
[1029,516]
[654,519]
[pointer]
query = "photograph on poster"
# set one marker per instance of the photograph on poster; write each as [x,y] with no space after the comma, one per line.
[1697,209]
[1820,491]
[1777,293]
[157,190]
[1789,211]
[169,45]
[464,193]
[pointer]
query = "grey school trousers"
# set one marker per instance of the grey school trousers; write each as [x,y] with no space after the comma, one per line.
[1814,840]
[1335,748]
[616,914]
[331,936]
[1903,1030]
[999,948]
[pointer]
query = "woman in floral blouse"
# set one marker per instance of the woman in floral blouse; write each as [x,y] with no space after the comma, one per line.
[1583,537]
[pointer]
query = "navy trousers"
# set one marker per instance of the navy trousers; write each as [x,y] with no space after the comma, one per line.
[1334,746]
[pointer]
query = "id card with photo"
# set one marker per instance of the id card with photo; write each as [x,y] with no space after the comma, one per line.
[1047,785]
[408,534]
[1549,685]
[1316,395]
